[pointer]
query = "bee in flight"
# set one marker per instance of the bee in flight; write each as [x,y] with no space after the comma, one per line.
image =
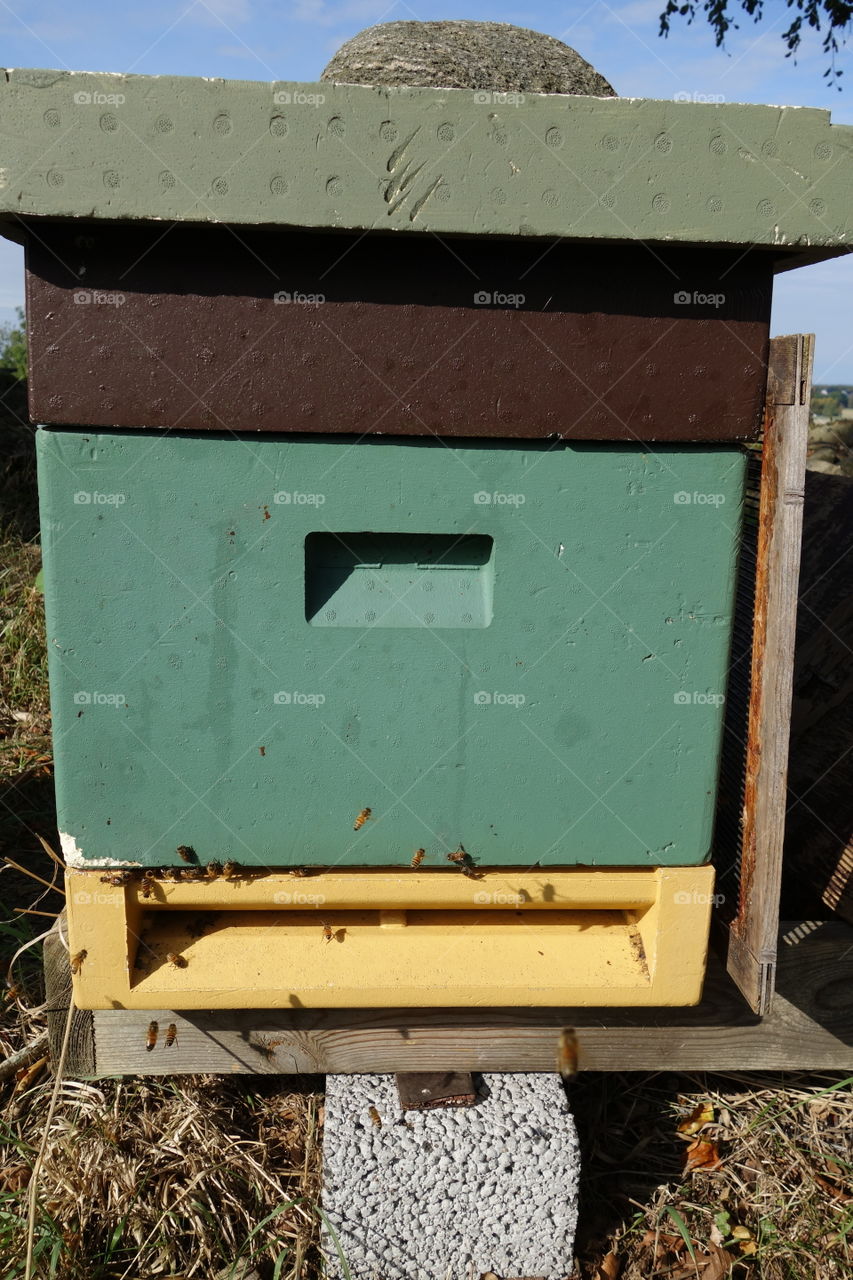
[459,856]
[171,1035]
[361,819]
[418,858]
[329,933]
[77,961]
[186,853]
[151,1037]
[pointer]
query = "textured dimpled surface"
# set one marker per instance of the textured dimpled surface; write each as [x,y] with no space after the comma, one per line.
[465,55]
[454,1191]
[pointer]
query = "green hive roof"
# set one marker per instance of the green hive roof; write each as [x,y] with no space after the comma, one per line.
[447,161]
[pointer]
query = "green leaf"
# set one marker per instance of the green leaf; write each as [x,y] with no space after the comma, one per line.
[682,1227]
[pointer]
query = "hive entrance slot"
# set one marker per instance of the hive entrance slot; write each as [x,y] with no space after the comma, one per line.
[398,579]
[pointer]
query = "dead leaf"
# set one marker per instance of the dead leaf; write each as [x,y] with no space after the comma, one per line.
[609,1267]
[718,1264]
[702,1114]
[703,1155]
[15,1177]
[28,1075]
[837,1193]
[663,1243]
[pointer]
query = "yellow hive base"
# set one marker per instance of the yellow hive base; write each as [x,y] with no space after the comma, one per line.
[380,939]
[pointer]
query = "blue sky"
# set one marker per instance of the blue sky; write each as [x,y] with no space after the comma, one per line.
[261,40]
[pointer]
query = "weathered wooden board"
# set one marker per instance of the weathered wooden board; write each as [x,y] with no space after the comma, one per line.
[752,932]
[810,1027]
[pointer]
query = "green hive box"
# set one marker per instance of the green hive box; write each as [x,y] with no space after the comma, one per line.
[526,654]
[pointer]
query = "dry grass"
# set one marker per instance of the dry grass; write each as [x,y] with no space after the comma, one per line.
[780,1207]
[153,1178]
[182,1178]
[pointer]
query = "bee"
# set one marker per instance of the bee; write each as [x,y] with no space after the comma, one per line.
[171,1035]
[192,873]
[375,1117]
[361,819]
[231,870]
[330,933]
[117,878]
[297,871]
[459,856]
[177,961]
[213,869]
[77,961]
[173,873]
[567,1053]
[418,858]
[147,884]
[186,853]
[151,1037]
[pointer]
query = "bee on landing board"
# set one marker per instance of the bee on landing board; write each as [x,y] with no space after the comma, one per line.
[361,819]
[418,858]
[375,1117]
[330,933]
[147,884]
[213,869]
[151,1037]
[77,961]
[177,961]
[171,1035]
[231,870]
[117,878]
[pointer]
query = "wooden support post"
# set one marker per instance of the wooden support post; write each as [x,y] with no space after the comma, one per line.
[752,933]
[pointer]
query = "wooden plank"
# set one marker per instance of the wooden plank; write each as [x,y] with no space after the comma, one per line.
[80,1057]
[752,933]
[810,1027]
